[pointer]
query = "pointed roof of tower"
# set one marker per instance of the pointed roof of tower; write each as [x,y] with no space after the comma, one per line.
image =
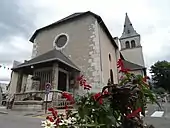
[128,30]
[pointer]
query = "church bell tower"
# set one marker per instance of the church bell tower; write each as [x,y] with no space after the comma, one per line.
[130,44]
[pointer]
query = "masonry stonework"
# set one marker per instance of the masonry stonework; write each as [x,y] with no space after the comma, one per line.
[34,54]
[94,57]
[34,49]
[55,76]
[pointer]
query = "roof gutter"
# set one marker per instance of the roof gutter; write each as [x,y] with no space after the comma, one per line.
[44,61]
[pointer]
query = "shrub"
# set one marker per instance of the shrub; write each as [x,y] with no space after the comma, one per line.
[117,105]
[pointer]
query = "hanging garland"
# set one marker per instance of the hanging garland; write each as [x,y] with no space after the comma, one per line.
[4,67]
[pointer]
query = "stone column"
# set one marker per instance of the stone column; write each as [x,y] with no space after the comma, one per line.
[19,82]
[29,83]
[24,82]
[55,76]
[13,84]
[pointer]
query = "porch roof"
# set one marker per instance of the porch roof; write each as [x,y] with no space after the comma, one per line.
[53,55]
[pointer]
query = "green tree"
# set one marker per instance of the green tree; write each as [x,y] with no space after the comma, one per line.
[161,74]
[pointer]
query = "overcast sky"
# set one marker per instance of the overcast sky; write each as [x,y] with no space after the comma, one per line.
[20,18]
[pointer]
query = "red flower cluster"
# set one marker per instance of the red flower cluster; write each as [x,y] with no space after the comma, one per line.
[97,95]
[69,97]
[83,83]
[134,113]
[54,116]
[121,66]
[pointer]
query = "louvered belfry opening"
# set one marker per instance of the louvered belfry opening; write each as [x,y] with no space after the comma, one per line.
[44,75]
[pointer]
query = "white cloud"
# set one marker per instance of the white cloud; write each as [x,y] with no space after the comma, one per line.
[19,50]
[5,72]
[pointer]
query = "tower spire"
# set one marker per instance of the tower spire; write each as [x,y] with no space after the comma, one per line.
[128,29]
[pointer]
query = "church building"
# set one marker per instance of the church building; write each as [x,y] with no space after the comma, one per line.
[79,44]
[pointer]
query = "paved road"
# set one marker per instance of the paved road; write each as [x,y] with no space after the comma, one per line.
[13,121]
[159,118]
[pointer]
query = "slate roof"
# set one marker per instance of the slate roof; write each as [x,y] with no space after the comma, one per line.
[128,30]
[53,55]
[132,66]
[74,17]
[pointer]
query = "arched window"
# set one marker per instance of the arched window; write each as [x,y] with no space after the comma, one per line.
[133,45]
[127,44]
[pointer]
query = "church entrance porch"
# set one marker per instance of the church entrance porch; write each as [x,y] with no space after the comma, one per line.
[30,93]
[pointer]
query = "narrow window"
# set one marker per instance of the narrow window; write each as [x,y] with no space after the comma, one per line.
[127,44]
[110,58]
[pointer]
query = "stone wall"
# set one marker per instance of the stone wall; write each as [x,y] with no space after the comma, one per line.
[108,49]
[28,105]
[94,58]
[55,76]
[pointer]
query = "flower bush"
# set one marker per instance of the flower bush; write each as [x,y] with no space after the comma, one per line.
[117,105]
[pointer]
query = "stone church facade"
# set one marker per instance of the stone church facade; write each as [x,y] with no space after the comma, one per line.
[75,45]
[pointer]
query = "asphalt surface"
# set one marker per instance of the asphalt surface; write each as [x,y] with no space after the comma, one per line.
[160,118]
[13,121]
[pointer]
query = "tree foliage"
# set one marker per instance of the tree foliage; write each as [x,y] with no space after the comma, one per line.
[161,74]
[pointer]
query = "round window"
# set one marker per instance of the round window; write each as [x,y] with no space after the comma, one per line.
[61,41]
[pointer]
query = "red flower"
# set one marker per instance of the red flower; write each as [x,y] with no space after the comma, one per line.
[51,109]
[105,92]
[96,96]
[54,113]
[57,121]
[68,97]
[50,118]
[134,113]
[120,63]
[79,78]
[87,87]
[83,83]
[121,66]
